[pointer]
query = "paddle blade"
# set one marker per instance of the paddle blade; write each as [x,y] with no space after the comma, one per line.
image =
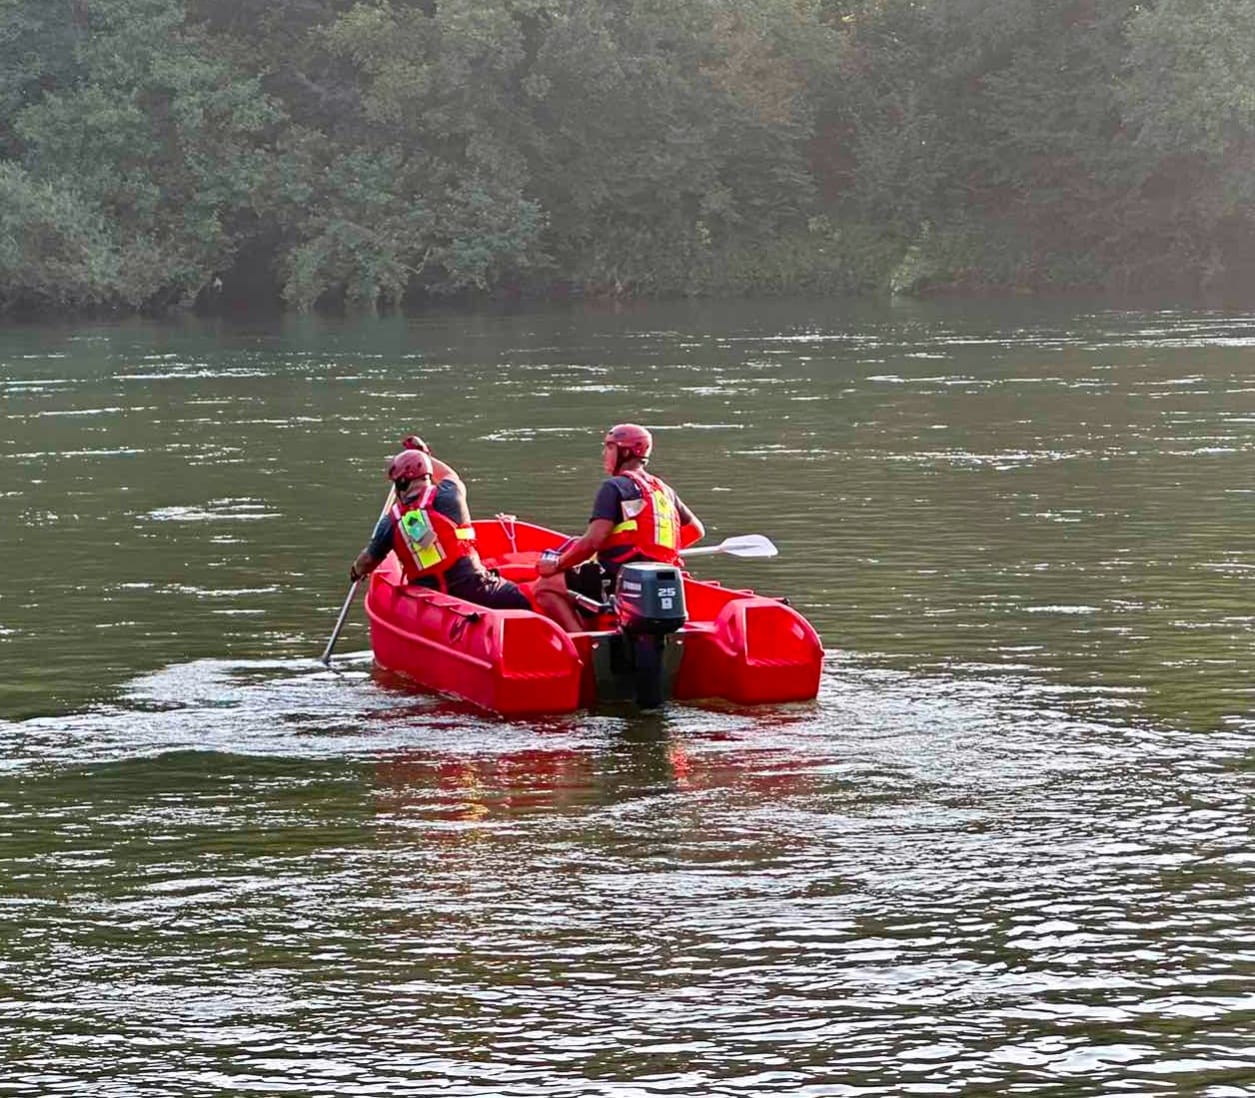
[754,546]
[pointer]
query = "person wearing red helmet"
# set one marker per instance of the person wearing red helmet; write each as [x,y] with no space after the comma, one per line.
[429,528]
[636,516]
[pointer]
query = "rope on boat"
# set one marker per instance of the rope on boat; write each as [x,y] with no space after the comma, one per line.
[507,524]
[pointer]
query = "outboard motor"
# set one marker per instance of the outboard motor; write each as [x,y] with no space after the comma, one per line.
[649,604]
[649,598]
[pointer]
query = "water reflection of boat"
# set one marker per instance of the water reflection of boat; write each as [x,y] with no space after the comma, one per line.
[642,762]
[470,787]
[735,645]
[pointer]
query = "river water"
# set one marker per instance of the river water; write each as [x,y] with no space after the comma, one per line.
[1006,851]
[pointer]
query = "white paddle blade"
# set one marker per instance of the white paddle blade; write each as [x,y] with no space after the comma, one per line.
[754,546]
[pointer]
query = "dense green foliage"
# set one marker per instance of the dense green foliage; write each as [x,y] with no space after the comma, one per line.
[374,152]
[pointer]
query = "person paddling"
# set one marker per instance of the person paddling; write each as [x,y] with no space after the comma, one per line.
[636,516]
[429,528]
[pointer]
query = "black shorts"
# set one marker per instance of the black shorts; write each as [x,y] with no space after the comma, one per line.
[469,580]
[589,579]
[486,589]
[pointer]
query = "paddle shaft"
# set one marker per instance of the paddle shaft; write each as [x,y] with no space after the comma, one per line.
[344,613]
[348,599]
[747,545]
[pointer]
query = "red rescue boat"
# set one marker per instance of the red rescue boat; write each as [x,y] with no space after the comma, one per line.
[730,644]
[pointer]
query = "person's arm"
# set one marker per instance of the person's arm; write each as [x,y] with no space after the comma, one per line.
[579,550]
[379,546]
[607,512]
[691,528]
[439,469]
[442,471]
[363,566]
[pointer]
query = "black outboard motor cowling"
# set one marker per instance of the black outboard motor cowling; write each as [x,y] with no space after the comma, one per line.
[649,598]
[649,605]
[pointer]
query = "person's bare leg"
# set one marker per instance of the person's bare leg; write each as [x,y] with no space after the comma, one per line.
[551,598]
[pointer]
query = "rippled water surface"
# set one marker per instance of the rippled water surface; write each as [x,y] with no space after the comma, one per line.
[1006,851]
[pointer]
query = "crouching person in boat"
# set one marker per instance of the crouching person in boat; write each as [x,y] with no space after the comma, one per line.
[636,516]
[429,528]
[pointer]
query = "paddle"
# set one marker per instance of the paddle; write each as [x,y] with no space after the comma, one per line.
[348,599]
[753,546]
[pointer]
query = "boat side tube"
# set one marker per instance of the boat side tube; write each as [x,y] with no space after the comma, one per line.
[756,650]
[510,662]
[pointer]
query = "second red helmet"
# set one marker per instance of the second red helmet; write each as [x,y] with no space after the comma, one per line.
[631,437]
[409,465]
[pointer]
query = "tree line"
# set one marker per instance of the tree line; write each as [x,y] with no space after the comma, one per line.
[375,153]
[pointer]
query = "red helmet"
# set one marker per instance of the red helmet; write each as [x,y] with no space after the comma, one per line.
[413,442]
[409,465]
[631,437]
